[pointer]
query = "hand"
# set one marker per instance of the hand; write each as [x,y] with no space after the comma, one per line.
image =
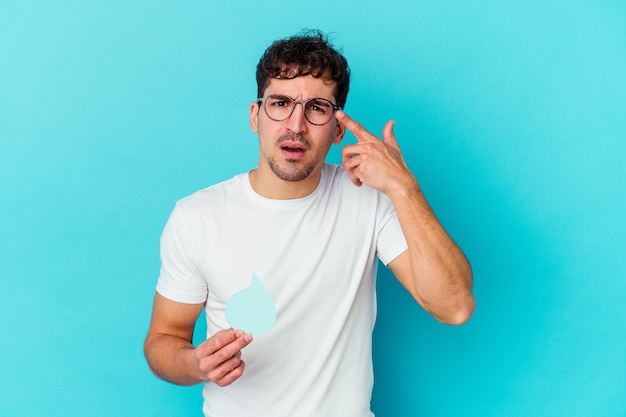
[219,357]
[378,164]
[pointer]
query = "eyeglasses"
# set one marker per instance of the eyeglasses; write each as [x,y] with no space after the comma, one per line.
[318,111]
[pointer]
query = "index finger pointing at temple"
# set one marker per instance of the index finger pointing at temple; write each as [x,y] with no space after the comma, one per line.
[360,133]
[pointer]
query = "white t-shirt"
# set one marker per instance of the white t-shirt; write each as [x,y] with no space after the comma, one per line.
[317,258]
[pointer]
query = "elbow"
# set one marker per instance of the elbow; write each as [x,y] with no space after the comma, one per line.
[148,352]
[464,313]
[461,313]
[464,305]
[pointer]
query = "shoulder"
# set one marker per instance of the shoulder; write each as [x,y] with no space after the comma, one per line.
[215,194]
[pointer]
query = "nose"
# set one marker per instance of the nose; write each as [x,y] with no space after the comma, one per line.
[296,123]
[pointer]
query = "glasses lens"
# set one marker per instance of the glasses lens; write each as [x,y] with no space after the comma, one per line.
[278,107]
[318,111]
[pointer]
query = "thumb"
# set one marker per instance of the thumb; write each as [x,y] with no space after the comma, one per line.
[388,136]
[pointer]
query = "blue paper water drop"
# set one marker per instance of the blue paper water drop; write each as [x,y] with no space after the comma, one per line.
[252,309]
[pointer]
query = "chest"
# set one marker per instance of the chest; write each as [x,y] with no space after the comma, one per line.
[313,248]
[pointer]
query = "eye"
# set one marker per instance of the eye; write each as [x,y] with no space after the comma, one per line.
[278,101]
[320,106]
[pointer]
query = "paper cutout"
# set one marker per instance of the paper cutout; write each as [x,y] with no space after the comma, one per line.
[252,309]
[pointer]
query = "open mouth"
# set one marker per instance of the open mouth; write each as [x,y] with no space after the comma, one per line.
[293,149]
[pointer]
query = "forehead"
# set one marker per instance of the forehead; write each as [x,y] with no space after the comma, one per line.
[303,87]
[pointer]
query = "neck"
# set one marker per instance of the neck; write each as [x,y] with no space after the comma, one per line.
[268,185]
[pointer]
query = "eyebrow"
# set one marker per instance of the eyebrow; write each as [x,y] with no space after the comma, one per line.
[307,99]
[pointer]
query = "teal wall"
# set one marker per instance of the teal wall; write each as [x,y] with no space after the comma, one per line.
[511,114]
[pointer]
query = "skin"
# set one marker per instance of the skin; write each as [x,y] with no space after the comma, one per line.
[291,157]
[264,179]
[433,269]
[172,356]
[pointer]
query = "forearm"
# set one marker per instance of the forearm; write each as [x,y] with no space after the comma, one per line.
[441,275]
[172,359]
[436,271]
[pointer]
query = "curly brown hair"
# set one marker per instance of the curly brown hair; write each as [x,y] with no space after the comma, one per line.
[307,53]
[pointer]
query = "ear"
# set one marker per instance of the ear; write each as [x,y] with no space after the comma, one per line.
[254,117]
[340,131]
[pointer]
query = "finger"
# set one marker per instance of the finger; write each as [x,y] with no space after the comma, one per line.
[389,136]
[232,375]
[360,133]
[213,365]
[350,161]
[349,152]
[229,340]
[231,349]
[219,371]
[350,165]
[216,342]
[360,149]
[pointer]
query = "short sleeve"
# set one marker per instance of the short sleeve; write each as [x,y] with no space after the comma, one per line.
[179,278]
[391,241]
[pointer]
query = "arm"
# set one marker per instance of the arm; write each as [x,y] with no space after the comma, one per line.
[433,269]
[172,356]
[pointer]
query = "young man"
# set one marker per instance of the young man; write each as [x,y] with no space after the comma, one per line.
[311,232]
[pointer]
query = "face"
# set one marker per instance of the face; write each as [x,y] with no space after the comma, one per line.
[294,149]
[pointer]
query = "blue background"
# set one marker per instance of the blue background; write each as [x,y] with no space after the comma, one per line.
[511,115]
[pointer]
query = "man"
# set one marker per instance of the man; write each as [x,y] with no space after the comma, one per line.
[312,233]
